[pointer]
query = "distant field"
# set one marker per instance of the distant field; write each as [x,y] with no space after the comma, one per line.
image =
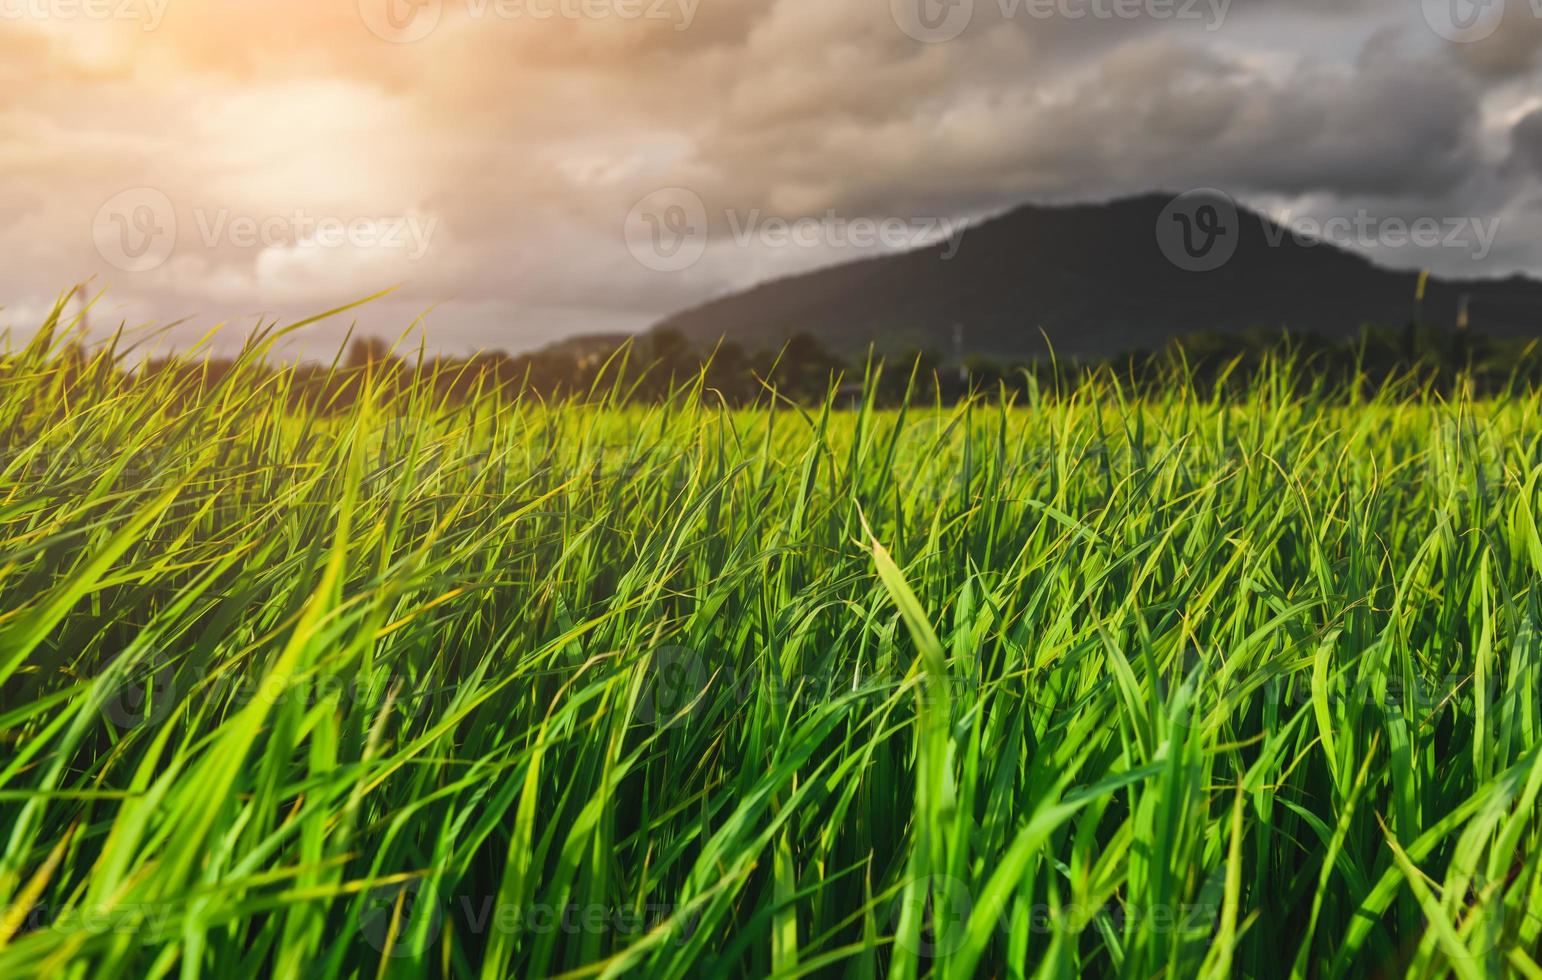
[1080,687]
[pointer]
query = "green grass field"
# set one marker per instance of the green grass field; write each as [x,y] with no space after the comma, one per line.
[1079,687]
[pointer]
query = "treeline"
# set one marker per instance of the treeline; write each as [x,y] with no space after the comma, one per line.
[1418,361]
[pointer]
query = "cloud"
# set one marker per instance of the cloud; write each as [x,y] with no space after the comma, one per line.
[528,140]
[1526,141]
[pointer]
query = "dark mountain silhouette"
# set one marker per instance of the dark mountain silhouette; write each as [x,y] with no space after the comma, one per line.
[1095,279]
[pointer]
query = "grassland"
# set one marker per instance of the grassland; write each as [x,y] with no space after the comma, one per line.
[1080,686]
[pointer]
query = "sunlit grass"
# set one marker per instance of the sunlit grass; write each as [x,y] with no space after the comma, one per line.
[1083,686]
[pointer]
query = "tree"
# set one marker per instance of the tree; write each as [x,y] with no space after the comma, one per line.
[368,352]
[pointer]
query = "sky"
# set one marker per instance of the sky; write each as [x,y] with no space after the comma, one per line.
[525,170]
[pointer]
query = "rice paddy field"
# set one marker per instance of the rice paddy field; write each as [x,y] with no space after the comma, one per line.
[1083,685]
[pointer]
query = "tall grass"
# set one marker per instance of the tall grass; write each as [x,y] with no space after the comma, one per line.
[1079,686]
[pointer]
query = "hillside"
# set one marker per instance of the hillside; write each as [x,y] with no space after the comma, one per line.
[1094,278]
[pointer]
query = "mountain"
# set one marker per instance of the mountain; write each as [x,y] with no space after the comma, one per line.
[1097,280]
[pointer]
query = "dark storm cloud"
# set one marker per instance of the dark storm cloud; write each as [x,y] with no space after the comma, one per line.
[1527,142]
